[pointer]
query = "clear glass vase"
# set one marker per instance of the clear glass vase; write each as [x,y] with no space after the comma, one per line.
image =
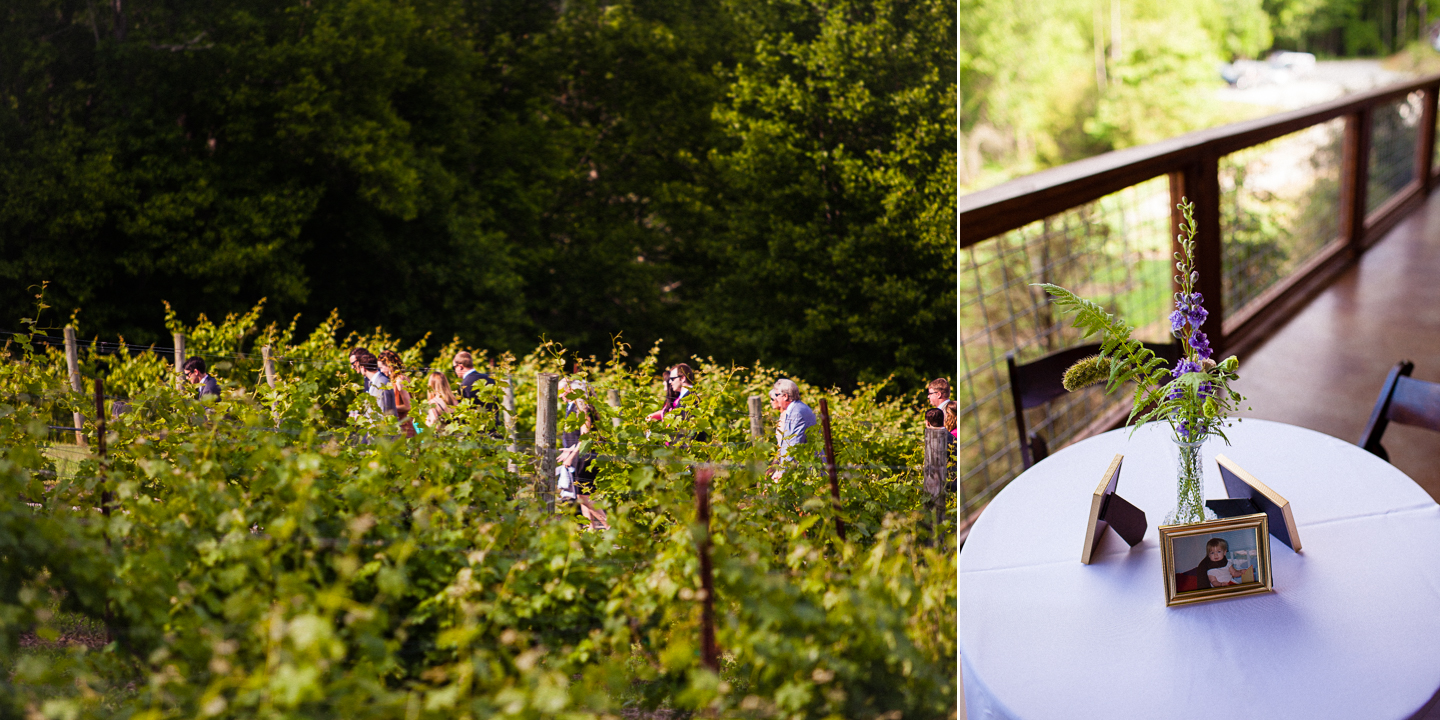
[1189,487]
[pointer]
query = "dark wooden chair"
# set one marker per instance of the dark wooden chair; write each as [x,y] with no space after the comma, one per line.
[1036,383]
[1404,400]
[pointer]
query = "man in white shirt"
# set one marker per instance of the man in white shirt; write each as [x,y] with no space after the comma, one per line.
[376,383]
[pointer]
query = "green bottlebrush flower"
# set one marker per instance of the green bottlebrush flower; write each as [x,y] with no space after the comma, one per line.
[1087,371]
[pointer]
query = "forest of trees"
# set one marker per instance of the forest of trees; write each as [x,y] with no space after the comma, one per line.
[1046,82]
[748,180]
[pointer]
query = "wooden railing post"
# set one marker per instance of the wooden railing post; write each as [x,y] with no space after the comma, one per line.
[1355,179]
[1425,140]
[547,389]
[757,418]
[1201,185]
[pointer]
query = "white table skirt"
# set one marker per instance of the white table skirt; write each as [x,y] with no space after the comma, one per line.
[1351,631]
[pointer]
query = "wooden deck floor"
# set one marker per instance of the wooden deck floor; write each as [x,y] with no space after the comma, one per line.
[1324,368]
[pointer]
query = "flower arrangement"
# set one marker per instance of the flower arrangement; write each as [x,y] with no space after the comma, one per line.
[1194,397]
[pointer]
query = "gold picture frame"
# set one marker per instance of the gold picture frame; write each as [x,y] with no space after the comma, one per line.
[1241,484]
[1096,526]
[1109,511]
[1244,545]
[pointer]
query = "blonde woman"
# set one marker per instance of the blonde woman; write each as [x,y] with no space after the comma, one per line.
[393,368]
[441,399]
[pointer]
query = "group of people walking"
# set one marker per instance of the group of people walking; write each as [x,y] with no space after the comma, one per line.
[386,379]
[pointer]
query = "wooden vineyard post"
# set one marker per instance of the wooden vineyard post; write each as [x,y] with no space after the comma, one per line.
[270,378]
[547,386]
[269,365]
[709,651]
[937,446]
[105,497]
[612,396]
[830,467]
[180,361]
[757,421]
[511,434]
[72,362]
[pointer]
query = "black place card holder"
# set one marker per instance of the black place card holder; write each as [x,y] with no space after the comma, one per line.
[1249,496]
[1233,507]
[1108,510]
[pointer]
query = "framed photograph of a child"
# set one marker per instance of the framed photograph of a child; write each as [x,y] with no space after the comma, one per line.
[1216,559]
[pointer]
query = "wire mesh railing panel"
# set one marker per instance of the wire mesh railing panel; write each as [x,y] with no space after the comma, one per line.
[1392,148]
[1115,251]
[1435,147]
[1279,206]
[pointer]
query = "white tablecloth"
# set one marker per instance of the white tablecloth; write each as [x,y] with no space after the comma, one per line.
[1351,631]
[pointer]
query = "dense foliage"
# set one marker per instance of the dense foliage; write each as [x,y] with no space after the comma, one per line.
[1047,82]
[766,181]
[259,558]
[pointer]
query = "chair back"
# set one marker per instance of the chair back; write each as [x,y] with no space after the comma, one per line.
[1404,400]
[1036,383]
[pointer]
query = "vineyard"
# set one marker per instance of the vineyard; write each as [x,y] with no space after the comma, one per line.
[284,552]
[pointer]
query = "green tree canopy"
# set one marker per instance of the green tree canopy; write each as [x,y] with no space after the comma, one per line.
[499,171]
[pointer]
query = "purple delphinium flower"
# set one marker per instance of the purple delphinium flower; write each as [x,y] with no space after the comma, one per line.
[1188,311]
[1177,321]
[1186,365]
[1196,315]
[1184,433]
[1201,343]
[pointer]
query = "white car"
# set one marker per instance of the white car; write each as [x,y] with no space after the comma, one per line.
[1298,63]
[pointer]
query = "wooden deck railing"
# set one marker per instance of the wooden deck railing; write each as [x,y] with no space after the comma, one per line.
[1193,165]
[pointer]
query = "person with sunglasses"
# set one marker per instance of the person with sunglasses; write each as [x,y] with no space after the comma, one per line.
[355,354]
[195,374]
[679,381]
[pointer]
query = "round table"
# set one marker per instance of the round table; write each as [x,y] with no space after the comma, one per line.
[1352,629]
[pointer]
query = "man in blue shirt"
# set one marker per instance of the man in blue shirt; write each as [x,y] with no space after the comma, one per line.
[795,418]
